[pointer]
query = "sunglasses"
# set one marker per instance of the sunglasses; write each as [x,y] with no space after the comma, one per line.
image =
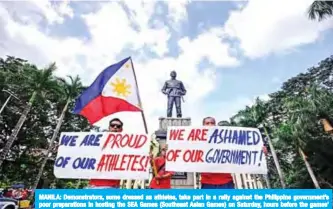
[210,123]
[115,126]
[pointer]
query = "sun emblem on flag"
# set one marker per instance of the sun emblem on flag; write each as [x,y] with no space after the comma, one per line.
[121,88]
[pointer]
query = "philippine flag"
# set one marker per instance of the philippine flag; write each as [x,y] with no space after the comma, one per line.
[114,90]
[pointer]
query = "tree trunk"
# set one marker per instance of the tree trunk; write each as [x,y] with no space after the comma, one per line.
[268,183]
[308,167]
[17,129]
[276,161]
[54,136]
[322,180]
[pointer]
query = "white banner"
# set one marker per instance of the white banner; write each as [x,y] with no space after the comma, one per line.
[215,150]
[105,155]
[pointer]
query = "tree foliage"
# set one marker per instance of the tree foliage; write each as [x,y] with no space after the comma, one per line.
[320,10]
[292,116]
[29,148]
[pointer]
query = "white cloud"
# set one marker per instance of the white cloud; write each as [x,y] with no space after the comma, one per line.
[112,33]
[199,82]
[269,26]
[177,12]
[226,109]
[209,45]
[28,42]
[38,10]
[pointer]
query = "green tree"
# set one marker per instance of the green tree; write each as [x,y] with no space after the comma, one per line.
[257,116]
[304,114]
[320,10]
[41,82]
[292,119]
[29,149]
[71,91]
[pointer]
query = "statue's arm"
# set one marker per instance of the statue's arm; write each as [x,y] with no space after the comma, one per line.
[182,87]
[165,88]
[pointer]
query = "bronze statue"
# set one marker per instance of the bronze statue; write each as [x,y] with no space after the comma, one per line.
[175,91]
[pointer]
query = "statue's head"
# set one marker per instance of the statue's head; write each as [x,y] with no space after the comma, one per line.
[173,74]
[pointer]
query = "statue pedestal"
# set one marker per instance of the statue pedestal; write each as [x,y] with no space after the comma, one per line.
[166,122]
[181,180]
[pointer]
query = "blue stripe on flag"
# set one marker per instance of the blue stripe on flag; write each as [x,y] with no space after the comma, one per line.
[96,88]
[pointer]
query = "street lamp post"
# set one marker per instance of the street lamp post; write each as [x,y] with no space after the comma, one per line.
[11,94]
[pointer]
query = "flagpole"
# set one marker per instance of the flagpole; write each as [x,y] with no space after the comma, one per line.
[140,103]
[139,99]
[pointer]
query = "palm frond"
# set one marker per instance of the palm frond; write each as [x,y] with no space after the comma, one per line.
[320,10]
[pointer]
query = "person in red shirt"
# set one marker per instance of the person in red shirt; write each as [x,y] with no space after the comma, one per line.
[217,180]
[115,125]
[163,178]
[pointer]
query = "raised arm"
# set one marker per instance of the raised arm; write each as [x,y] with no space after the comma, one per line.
[166,175]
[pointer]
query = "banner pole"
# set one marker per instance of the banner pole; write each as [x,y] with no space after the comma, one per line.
[139,98]
[140,102]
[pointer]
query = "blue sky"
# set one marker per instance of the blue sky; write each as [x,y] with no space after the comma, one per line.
[226,53]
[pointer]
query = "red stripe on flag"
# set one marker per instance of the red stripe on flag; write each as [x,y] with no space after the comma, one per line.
[101,107]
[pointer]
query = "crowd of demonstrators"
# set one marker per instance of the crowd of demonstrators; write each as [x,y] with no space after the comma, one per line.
[23,195]
[115,125]
[16,193]
[161,178]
